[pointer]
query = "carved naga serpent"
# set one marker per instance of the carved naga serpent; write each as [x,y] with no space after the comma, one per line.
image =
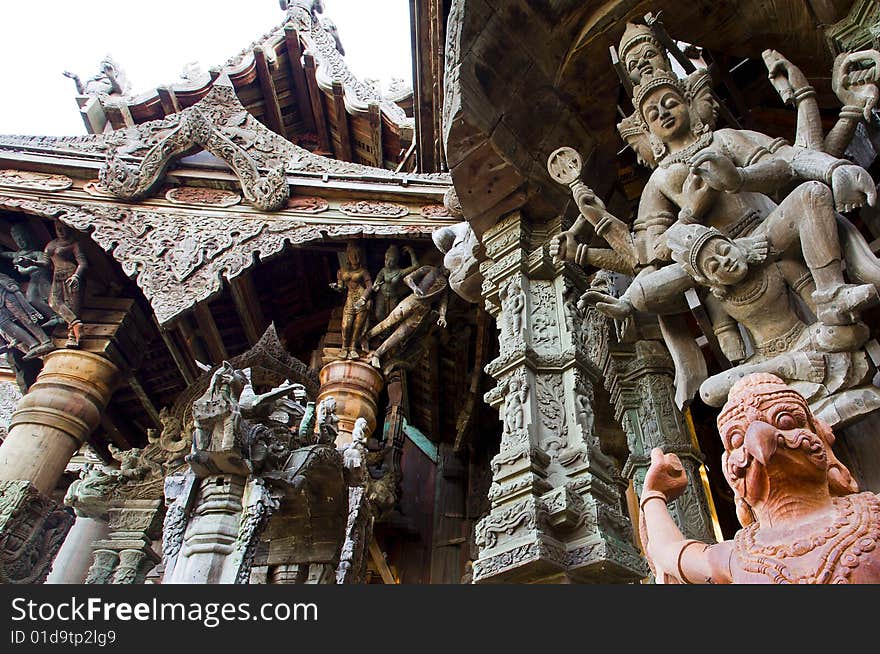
[269,192]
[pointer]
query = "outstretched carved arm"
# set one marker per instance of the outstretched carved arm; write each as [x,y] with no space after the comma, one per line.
[565,167]
[764,159]
[658,291]
[413,260]
[687,561]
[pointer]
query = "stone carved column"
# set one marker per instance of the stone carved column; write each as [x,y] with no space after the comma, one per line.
[212,531]
[51,421]
[556,500]
[74,559]
[103,564]
[126,555]
[640,379]
[129,567]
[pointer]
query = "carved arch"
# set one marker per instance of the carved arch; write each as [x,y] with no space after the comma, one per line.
[195,128]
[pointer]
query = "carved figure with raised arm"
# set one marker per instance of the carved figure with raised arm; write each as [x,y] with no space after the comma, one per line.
[724,179]
[804,519]
[388,285]
[33,264]
[752,287]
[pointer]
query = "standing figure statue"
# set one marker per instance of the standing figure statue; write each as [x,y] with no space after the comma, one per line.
[514,409]
[69,265]
[804,521]
[35,265]
[428,283]
[109,80]
[388,286]
[327,421]
[20,321]
[354,280]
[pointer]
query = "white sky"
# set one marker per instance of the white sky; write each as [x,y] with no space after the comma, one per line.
[152,42]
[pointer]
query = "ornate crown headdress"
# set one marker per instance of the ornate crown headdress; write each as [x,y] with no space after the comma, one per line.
[654,81]
[635,34]
[685,243]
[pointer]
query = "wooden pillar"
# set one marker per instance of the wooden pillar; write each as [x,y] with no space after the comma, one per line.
[59,412]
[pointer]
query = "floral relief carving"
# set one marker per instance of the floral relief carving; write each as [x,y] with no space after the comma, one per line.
[307,204]
[202,196]
[34,181]
[179,259]
[435,211]
[367,209]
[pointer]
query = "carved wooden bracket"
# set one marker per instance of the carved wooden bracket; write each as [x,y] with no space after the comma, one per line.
[195,128]
[181,258]
[331,67]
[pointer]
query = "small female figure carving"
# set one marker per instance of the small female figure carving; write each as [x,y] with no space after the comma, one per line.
[353,279]
[69,265]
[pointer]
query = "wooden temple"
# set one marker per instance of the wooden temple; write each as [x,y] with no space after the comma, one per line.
[271,325]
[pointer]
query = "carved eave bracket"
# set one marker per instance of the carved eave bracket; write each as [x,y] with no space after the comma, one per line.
[181,258]
[204,126]
[331,67]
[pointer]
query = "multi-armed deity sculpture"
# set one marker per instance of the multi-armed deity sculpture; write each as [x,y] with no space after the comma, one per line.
[706,223]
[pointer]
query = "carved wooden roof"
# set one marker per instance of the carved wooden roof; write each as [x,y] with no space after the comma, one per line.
[295,82]
[194,229]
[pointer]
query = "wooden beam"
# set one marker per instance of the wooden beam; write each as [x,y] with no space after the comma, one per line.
[298,75]
[316,97]
[145,400]
[193,342]
[119,115]
[176,354]
[380,563]
[168,100]
[93,114]
[247,305]
[376,134]
[110,423]
[270,96]
[210,334]
[343,129]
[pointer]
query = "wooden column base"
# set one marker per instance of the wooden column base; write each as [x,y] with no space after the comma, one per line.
[58,413]
[355,386]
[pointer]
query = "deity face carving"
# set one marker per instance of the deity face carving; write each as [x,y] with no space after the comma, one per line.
[391,257]
[20,235]
[62,230]
[644,59]
[666,113]
[722,262]
[353,254]
[772,423]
